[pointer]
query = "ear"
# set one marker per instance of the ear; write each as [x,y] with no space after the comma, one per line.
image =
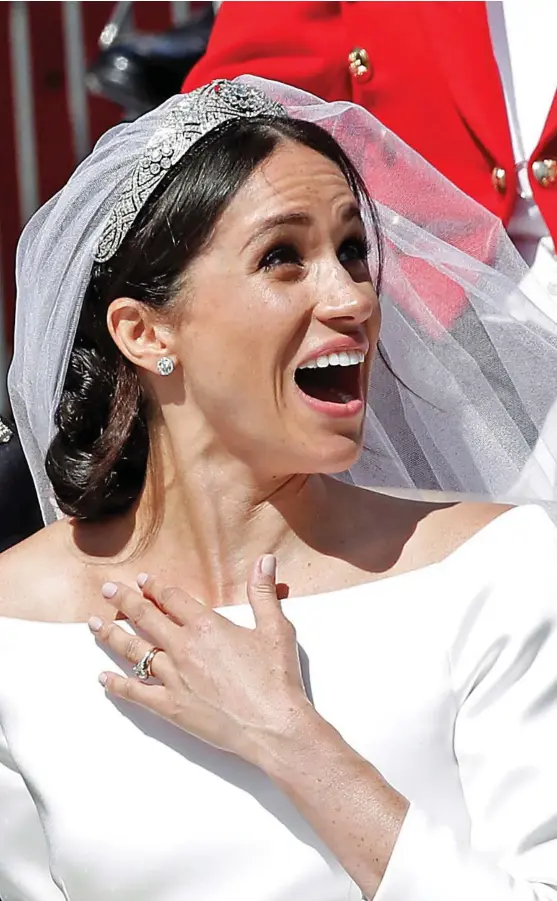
[139,333]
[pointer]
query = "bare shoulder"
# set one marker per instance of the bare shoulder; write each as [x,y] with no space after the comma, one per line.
[36,576]
[444,528]
[413,533]
[422,532]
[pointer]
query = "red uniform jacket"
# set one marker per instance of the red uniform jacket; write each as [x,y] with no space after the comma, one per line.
[425,69]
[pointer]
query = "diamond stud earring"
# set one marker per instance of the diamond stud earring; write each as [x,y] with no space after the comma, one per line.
[165,366]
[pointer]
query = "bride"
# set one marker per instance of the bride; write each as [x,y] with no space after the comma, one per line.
[198,320]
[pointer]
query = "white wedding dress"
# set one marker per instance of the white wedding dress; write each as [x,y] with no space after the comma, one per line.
[444,678]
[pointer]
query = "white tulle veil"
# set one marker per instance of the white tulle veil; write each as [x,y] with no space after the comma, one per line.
[463,396]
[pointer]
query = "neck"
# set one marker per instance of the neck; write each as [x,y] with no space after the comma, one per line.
[214,519]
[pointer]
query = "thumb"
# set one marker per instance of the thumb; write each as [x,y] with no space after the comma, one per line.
[262,589]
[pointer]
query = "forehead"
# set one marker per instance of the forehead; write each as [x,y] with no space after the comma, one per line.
[293,178]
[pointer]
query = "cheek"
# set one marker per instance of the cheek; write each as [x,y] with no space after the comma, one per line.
[235,338]
[240,316]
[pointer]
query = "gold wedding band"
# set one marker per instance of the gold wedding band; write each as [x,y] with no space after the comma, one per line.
[143,669]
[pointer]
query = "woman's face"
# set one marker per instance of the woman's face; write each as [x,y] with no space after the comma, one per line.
[282,320]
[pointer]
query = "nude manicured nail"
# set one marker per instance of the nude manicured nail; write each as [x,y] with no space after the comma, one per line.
[141,579]
[95,623]
[103,678]
[269,565]
[109,589]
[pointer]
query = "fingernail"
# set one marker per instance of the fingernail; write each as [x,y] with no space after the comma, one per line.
[109,589]
[103,679]
[269,565]
[141,579]
[95,623]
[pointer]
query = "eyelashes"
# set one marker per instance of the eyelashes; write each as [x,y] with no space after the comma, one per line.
[281,255]
[354,249]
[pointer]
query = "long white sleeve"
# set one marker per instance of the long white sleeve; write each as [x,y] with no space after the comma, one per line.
[24,866]
[504,674]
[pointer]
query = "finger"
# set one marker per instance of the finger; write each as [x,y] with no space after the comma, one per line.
[142,612]
[175,602]
[132,648]
[262,590]
[152,697]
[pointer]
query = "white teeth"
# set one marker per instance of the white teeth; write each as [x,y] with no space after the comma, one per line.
[344,358]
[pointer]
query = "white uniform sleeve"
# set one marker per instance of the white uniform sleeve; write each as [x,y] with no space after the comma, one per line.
[24,867]
[504,672]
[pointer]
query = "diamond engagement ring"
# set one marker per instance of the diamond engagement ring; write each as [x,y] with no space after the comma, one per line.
[143,669]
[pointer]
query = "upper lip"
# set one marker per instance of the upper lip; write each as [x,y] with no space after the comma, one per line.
[336,346]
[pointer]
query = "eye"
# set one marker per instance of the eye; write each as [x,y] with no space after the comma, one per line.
[353,249]
[281,255]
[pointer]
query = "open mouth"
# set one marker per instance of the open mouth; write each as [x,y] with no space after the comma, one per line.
[333,379]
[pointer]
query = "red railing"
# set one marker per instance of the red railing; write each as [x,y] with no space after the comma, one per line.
[49,121]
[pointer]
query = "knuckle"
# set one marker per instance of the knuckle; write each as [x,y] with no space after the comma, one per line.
[281,629]
[106,631]
[133,648]
[265,591]
[129,689]
[287,627]
[203,624]
[168,594]
[173,707]
[139,613]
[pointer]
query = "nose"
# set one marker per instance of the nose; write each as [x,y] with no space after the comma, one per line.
[346,301]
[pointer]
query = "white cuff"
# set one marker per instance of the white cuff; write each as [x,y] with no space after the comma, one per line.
[427,864]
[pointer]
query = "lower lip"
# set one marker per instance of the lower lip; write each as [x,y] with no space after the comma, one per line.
[336,411]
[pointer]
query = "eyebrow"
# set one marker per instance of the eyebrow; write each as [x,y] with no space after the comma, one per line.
[349,212]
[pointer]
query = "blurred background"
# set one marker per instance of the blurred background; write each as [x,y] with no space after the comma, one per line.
[59,64]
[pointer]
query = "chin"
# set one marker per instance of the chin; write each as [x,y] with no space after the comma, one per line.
[336,454]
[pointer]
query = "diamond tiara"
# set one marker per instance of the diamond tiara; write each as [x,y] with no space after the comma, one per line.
[193,116]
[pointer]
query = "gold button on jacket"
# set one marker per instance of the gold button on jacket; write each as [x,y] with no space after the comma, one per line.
[359,64]
[545,172]
[499,179]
